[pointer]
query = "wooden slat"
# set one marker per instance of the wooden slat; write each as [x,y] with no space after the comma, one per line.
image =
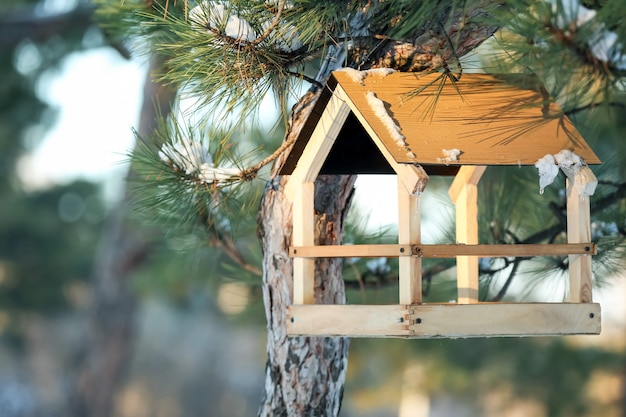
[468,174]
[444,320]
[410,267]
[494,251]
[464,194]
[466,211]
[348,320]
[514,319]
[441,251]
[579,230]
[303,234]
[351,251]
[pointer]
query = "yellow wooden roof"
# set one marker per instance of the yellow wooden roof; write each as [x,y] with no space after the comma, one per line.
[491,120]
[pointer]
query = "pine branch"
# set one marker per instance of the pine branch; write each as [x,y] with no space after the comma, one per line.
[306,78]
[592,106]
[509,280]
[226,244]
[582,50]
[599,205]
[251,172]
[272,26]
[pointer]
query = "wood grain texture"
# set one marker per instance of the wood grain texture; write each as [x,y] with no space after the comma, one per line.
[445,320]
[464,194]
[492,120]
[409,231]
[303,234]
[579,231]
[442,251]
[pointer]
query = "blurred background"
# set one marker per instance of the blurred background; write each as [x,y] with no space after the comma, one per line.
[190,331]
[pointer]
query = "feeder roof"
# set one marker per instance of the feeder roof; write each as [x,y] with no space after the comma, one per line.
[488,119]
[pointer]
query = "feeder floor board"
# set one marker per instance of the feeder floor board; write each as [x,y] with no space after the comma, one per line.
[449,320]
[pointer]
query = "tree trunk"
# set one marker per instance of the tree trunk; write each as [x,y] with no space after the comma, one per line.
[305,376]
[123,248]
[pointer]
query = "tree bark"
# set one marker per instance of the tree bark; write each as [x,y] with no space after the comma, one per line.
[305,376]
[123,248]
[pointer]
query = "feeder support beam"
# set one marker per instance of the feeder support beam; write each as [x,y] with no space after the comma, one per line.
[464,193]
[304,234]
[410,267]
[580,186]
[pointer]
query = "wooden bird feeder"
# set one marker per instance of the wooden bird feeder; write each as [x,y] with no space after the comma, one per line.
[380,122]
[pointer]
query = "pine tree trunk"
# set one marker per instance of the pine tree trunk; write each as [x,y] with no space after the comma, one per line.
[305,376]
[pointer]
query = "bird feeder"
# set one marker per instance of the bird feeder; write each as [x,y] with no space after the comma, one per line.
[414,126]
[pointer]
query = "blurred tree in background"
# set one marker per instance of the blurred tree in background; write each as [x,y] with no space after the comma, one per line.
[575,49]
[47,235]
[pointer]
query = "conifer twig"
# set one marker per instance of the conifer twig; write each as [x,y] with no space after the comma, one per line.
[271,26]
[251,172]
[226,244]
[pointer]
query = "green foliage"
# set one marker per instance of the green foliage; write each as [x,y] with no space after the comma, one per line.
[571,55]
[47,237]
[48,242]
[176,198]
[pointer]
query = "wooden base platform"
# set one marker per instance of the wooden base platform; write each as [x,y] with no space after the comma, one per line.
[444,320]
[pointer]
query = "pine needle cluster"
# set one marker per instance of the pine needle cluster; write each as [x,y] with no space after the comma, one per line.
[171,192]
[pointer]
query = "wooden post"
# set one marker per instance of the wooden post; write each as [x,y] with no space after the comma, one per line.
[580,187]
[410,267]
[464,193]
[303,234]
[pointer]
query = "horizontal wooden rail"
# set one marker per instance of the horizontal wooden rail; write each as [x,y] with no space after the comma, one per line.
[349,251]
[442,251]
[444,320]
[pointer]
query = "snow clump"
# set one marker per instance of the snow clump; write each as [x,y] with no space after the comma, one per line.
[380,111]
[214,15]
[186,156]
[193,158]
[570,163]
[548,170]
[450,155]
[355,75]
[359,76]
[603,43]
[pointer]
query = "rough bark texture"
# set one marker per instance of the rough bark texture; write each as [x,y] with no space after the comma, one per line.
[122,250]
[305,376]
